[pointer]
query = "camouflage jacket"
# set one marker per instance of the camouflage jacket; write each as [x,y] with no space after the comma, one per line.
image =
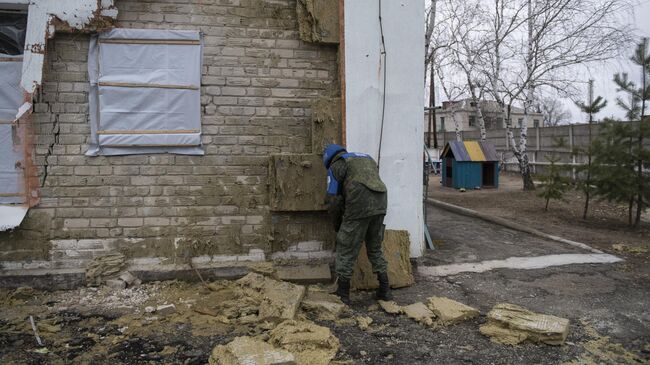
[363,193]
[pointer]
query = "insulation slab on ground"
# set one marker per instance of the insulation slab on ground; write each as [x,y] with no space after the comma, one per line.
[318,20]
[310,343]
[279,298]
[326,123]
[419,312]
[297,182]
[450,311]
[246,350]
[511,324]
[324,305]
[305,274]
[396,251]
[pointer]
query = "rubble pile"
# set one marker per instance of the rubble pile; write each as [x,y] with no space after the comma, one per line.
[511,324]
[275,305]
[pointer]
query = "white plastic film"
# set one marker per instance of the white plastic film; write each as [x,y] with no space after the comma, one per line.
[11,175]
[145,92]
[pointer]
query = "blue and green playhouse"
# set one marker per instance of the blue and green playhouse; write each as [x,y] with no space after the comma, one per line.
[470,165]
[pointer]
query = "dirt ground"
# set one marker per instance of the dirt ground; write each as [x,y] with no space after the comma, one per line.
[605,226]
[606,304]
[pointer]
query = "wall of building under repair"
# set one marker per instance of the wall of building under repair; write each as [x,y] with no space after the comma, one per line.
[259,81]
[401,145]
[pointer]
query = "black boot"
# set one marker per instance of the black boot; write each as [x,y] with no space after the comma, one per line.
[343,290]
[383,293]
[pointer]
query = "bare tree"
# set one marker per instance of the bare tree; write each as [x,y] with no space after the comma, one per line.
[554,111]
[470,43]
[453,93]
[549,40]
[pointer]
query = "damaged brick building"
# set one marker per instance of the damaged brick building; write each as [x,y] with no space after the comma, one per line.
[207,150]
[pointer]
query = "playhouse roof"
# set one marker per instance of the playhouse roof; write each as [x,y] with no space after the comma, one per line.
[476,151]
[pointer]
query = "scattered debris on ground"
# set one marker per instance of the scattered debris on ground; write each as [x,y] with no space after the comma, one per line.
[633,249]
[364,322]
[511,324]
[601,350]
[397,253]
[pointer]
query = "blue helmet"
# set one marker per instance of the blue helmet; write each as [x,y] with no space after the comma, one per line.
[330,151]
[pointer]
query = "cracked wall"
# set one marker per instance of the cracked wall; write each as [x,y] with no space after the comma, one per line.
[259,81]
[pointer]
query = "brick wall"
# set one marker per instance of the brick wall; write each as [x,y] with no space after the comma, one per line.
[258,83]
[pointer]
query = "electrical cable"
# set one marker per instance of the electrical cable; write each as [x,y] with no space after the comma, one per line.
[383,107]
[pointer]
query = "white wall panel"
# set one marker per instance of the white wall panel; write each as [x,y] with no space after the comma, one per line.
[402,145]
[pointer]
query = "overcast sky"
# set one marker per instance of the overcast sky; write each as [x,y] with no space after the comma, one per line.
[603,74]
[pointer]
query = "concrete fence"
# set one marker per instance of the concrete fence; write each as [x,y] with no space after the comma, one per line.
[541,143]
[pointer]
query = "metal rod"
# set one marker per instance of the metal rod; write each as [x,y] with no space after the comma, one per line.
[169,131]
[38,338]
[155,86]
[178,42]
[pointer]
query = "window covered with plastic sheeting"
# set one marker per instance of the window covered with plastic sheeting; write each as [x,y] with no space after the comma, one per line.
[13,27]
[11,172]
[145,92]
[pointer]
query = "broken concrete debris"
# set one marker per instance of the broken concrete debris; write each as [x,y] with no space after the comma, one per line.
[116,284]
[396,251]
[129,279]
[310,343]
[511,324]
[318,20]
[104,267]
[165,309]
[449,311]
[249,351]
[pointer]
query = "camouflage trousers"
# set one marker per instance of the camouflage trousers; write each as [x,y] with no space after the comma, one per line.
[350,237]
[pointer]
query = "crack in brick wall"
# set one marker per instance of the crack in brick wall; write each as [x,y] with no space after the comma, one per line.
[258,83]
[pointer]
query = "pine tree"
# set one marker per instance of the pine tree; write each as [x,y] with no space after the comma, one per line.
[639,152]
[592,107]
[613,173]
[554,185]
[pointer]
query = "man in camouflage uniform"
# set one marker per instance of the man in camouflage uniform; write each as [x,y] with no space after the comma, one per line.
[357,204]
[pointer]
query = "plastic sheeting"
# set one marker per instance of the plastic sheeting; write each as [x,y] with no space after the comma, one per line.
[11,175]
[13,28]
[145,92]
[11,216]
[11,95]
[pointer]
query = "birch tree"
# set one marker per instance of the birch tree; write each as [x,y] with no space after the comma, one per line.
[453,93]
[468,47]
[549,40]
